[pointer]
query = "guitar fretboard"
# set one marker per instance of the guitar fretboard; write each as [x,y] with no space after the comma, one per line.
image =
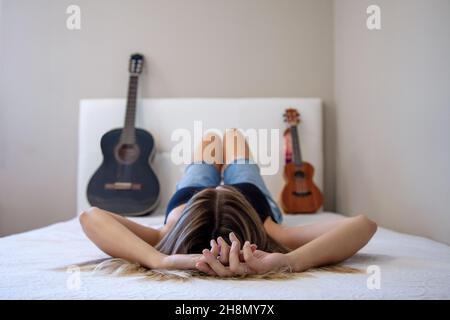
[296,146]
[129,132]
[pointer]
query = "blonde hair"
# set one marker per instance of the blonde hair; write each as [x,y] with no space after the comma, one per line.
[210,213]
[121,267]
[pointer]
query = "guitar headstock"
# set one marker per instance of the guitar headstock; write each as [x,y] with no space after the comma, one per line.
[136,64]
[291,117]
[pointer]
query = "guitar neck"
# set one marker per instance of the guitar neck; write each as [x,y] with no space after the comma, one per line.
[129,130]
[296,146]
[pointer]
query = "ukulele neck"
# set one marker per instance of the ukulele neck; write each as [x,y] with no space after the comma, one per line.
[129,131]
[296,146]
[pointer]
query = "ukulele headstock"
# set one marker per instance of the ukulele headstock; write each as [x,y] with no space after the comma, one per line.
[136,64]
[291,117]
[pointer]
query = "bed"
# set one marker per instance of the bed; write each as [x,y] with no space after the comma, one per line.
[410,268]
[42,263]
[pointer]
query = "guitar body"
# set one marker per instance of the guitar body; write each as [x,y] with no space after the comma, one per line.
[125,183]
[300,194]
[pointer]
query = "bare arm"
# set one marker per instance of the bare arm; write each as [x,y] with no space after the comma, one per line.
[295,237]
[113,235]
[334,246]
[148,234]
[330,242]
[123,238]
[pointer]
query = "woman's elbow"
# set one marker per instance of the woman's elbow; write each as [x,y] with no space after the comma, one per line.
[368,223]
[89,217]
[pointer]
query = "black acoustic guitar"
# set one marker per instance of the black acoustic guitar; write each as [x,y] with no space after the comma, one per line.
[125,182]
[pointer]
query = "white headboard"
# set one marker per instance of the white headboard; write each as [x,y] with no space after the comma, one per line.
[162,116]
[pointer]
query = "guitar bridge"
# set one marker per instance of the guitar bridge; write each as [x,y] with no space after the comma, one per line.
[123,186]
[301,194]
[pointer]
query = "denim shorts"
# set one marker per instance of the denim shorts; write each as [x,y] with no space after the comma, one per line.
[239,171]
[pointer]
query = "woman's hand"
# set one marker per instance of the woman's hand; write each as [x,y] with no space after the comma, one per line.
[189,261]
[262,262]
[221,249]
[230,261]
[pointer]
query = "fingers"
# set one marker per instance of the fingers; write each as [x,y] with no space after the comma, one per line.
[214,261]
[224,251]
[237,247]
[251,257]
[214,248]
[252,247]
[234,238]
[234,255]
[215,264]
[204,267]
[235,264]
[247,251]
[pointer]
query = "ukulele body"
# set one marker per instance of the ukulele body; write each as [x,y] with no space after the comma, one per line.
[300,194]
[125,182]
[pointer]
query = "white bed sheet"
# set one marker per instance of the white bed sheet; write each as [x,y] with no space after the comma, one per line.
[411,268]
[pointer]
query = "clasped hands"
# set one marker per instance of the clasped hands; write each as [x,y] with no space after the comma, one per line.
[224,260]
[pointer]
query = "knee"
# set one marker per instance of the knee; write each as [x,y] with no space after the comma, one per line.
[234,139]
[235,145]
[212,137]
[232,134]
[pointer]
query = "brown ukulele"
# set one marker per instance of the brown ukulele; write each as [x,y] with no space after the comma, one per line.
[300,194]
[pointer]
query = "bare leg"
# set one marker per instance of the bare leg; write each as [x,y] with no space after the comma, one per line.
[235,146]
[210,150]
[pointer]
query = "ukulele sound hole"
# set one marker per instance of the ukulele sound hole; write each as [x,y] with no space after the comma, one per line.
[127,153]
[299,174]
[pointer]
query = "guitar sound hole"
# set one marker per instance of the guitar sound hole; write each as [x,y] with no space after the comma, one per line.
[127,153]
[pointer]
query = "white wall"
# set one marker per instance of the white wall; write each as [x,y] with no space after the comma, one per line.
[195,48]
[387,136]
[392,90]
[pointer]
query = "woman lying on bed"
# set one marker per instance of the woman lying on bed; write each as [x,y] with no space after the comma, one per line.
[229,229]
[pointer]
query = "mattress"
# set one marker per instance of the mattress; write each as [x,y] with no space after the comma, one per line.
[408,267]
